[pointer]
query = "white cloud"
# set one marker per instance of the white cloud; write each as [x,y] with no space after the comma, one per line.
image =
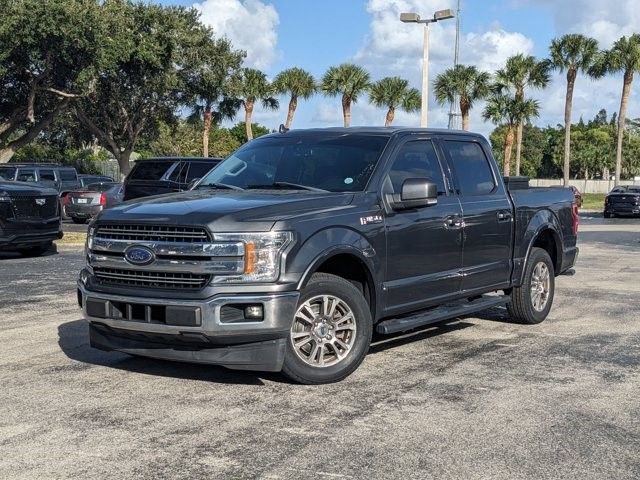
[250,24]
[394,48]
[605,20]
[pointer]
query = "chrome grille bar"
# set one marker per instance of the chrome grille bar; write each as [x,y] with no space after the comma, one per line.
[153,233]
[115,276]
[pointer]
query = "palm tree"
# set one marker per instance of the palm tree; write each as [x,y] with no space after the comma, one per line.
[297,83]
[464,82]
[252,85]
[348,80]
[571,52]
[393,93]
[522,71]
[624,57]
[206,76]
[510,111]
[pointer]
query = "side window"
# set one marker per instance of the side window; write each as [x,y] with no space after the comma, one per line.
[179,173]
[68,175]
[47,175]
[472,168]
[198,170]
[417,159]
[26,175]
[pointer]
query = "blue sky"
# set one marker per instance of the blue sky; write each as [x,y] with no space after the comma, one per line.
[315,34]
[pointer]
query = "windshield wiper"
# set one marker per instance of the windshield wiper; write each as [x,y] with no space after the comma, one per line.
[220,185]
[288,185]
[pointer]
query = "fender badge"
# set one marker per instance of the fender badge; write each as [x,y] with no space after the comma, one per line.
[370,219]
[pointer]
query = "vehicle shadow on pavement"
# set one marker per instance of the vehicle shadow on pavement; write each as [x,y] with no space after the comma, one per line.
[15,255]
[73,339]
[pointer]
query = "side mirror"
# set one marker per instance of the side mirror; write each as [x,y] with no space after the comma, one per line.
[415,193]
[192,183]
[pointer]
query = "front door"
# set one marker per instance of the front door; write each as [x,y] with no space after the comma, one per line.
[424,245]
[487,212]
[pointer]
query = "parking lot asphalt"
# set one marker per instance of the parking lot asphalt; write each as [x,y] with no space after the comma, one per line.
[475,398]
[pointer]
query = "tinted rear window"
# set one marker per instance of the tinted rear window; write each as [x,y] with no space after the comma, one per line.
[149,170]
[68,174]
[7,172]
[101,187]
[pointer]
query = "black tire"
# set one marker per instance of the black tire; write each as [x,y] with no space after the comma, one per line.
[80,221]
[521,307]
[325,284]
[608,215]
[36,251]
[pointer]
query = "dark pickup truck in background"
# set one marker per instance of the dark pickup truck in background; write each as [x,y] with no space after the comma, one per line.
[29,218]
[297,247]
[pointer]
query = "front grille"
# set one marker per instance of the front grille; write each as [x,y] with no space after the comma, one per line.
[27,207]
[153,233]
[139,278]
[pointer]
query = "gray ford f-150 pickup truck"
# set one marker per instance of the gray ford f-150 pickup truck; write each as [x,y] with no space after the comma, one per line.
[290,253]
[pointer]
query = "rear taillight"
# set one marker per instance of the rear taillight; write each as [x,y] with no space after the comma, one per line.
[103,199]
[576,218]
[66,199]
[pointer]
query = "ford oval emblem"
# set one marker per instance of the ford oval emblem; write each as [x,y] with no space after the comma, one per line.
[138,255]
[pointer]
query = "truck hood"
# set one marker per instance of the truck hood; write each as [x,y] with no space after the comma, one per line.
[24,188]
[223,210]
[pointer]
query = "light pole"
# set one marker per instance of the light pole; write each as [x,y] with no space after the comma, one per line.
[415,18]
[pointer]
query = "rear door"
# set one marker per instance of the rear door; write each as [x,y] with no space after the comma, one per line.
[424,245]
[487,215]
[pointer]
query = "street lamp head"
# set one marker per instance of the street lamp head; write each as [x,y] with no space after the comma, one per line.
[409,17]
[443,15]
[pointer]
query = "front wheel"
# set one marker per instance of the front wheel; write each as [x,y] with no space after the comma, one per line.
[330,333]
[531,302]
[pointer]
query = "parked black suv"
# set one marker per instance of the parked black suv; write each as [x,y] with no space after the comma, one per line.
[294,249]
[622,200]
[49,175]
[29,218]
[155,176]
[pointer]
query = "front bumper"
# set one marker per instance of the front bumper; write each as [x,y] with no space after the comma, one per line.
[245,345]
[13,240]
[622,209]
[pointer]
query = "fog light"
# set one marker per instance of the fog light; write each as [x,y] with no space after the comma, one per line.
[253,312]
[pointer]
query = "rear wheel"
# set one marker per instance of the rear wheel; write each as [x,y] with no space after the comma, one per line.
[330,333]
[531,301]
[79,220]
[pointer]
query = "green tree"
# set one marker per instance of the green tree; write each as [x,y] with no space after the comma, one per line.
[393,93]
[209,69]
[252,86]
[571,53]
[624,57]
[466,83]
[534,145]
[504,109]
[348,80]
[239,131]
[521,72]
[296,83]
[50,52]
[130,102]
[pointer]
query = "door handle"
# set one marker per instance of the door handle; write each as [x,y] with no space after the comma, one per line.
[504,216]
[453,222]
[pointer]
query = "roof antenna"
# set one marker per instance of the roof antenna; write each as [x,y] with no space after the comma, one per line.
[282,128]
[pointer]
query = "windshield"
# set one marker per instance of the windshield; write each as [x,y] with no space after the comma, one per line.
[7,172]
[335,163]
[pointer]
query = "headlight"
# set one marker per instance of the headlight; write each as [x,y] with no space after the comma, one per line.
[262,255]
[88,244]
[4,198]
